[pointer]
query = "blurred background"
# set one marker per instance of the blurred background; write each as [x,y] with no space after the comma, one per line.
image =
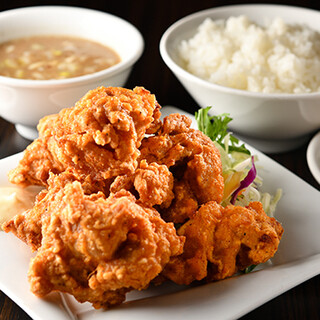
[152,18]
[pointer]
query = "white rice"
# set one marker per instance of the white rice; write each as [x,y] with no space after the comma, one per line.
[237,53]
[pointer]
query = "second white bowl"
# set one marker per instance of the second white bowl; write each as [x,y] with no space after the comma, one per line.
[271,122]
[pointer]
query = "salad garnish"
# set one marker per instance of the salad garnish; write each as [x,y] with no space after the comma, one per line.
[241,179]
[216,128]
[246,182]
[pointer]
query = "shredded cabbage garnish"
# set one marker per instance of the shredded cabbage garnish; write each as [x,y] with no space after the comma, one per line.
[242,184]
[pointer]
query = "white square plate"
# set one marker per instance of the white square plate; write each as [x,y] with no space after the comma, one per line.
[297,260]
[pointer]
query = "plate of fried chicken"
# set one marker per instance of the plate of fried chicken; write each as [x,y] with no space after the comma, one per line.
[130,222]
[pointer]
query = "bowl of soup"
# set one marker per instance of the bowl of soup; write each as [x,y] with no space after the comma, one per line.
[259,63]
[50,56]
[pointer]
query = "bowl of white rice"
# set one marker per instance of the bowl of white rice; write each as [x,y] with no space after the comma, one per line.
[259,63]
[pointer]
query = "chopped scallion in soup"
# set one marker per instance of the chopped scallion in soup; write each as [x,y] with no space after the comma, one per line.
[54,57]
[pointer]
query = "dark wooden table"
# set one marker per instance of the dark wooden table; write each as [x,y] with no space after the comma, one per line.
[152,18]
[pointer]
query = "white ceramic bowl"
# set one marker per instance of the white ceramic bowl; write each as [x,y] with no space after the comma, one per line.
[313,156]
[270,122]
[25,102]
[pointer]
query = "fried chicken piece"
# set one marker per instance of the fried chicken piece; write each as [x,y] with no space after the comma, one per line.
[175,123]
[189,151]
[105,223]
[184,204]
[96,140]
[173,142]
[192,264]
[193,159]
[152,182]
[97,248]
[220,241]
[253,240]
[27,225]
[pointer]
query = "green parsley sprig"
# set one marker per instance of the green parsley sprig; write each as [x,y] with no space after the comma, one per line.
[216,128]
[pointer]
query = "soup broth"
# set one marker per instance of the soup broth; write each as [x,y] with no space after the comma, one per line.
[54,57]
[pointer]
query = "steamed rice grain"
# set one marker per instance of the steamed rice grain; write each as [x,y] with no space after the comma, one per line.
[237,53]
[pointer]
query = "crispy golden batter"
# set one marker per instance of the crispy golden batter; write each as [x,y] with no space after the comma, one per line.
[192,158]
[152,182]
[96,140]
[27,226]
[220,241]
[117,180]
[184,204]
[96,248]
[192,155]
